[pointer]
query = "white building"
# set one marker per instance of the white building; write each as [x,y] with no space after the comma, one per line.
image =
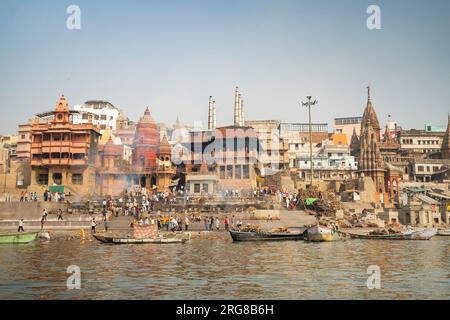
[101,113]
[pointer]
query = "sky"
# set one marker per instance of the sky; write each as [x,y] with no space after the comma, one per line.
[172,55]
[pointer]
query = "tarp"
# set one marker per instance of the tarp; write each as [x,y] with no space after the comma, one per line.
[59,189]
[310,201]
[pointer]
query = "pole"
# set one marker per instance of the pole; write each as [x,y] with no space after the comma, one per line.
[308,104]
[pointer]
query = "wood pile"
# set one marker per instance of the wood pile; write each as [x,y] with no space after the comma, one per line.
[326,203]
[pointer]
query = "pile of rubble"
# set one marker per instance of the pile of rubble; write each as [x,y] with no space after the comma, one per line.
[326,204]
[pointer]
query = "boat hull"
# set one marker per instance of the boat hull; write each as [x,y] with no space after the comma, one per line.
[18,237]
[426,234]
[263,236]
[322,234]
[118,240]
[444,232]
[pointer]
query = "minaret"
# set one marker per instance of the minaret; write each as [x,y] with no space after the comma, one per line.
[210,113]
[214,119]
[236,106]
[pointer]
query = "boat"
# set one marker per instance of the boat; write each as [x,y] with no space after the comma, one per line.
[18,237]
[237,235]
[131,240]
[443,232]
[319,233]
[425,234]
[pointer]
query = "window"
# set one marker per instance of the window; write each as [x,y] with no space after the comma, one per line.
[237,172]
[420,168]
[57,178]
[23,137]
[222,172]
[229,172]
[85,116]
[78,156]
[428,168]
[205,187]
[42,179]
[77,178]
[102,126]
[197,188]
[111,118]
[96,117]
[103,117]
[435,169]
[245,172]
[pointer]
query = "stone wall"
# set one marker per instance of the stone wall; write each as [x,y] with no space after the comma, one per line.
[28,210]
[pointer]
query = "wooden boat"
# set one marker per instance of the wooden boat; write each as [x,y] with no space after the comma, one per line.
[443,232]
[425,234]
[125,240]
[319,233]
[265,236]
[18,237]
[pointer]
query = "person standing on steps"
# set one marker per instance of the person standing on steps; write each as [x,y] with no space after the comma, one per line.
[93,225]
[20,229]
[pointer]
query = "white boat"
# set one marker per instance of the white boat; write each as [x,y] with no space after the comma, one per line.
[321,233]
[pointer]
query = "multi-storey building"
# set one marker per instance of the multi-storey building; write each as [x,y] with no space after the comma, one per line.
[420,143]
[98,112]
[347,126]
[63,153]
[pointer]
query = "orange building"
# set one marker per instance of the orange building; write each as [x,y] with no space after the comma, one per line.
[62,153]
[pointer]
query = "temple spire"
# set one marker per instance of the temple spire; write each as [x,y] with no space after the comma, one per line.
[368,93]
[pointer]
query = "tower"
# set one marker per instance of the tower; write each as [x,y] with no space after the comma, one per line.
[445,147]
[61,114]
[370,160]
[146,142]
[236,106]
[210,113]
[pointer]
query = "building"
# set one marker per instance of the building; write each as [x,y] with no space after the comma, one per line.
[295,137]
[98,112]
[348,126]
[230,153]
[332,161]
[420,143]
[24,142]
[63,153]
[272,155]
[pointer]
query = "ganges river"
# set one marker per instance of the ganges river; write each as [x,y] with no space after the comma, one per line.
[221,269]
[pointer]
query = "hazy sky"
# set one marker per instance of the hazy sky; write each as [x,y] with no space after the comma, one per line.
[171,55]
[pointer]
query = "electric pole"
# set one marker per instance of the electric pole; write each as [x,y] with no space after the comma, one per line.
[308,104]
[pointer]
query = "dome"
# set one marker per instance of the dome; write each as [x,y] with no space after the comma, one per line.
[146,130]
[111,149]
[165,147]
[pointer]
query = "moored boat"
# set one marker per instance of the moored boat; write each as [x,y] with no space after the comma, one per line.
[425,234]
[443,232]
[129,240]
[265,236]
[18,237]
[319,233]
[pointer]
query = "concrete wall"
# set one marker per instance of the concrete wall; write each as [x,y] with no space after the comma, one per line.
[28,210]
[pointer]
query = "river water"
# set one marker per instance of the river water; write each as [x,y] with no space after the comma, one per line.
[221,269]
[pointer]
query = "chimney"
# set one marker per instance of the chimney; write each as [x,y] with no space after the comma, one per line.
[214,119]
[236,106]
[242,113]
[239,110]
[210,113]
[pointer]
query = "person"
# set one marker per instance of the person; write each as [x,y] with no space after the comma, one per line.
[141,222]
[239,224]
[146,221]
[60,215]
[20,229]
[93,225]
[106,224]
[174,224]
[217,224]
[211,223]
[44,214]
[42,223]
[206,220]
[186,223]
[226,222]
